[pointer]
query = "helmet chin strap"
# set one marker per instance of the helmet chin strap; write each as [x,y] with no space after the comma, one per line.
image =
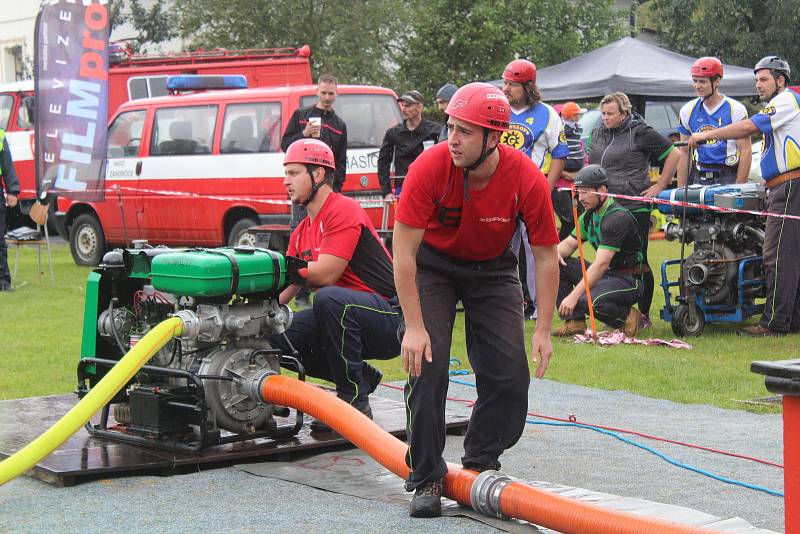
[776,91]
[713,90]
[484,154]
[314,188]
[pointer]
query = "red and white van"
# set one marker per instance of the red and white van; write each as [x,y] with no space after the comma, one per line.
[16,118]
[132,77]
[200,169]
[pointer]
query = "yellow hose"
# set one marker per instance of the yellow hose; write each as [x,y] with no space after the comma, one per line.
[98,396]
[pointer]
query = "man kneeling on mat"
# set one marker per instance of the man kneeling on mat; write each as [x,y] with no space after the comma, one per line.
[615,277]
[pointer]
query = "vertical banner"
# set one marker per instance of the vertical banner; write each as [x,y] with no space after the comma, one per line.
[71,82]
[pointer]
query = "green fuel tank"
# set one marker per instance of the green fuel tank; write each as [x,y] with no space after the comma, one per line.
[219,272]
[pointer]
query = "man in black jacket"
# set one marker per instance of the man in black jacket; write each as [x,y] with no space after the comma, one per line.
[404,142]
[8,178]
[331,129]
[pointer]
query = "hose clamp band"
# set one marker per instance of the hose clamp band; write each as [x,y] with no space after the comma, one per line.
[485,493]
[191,324]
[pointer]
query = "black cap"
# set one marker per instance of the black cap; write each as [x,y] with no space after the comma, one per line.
[412,97]
[591,176]
[446,91]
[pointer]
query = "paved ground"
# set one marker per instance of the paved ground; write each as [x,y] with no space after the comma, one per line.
[231,500]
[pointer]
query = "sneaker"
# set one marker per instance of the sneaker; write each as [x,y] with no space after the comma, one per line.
[427,500]
[372,377]
[633,323]
[318,426]
[645,323]
[758,331]
[570,328]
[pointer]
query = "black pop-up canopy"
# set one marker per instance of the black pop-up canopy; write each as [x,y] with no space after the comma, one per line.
[635,68]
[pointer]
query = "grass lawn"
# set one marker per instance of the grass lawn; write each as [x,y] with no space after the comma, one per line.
[41,329]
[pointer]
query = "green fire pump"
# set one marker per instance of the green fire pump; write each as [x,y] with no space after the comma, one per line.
[196,391]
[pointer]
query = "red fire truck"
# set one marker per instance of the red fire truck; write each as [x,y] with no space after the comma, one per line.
[202,168]
[132,77]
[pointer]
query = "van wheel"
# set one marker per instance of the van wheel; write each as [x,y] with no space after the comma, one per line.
[87,242]
[239,234]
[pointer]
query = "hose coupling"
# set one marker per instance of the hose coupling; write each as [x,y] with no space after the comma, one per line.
[252,385]
[485,493]
[204,324]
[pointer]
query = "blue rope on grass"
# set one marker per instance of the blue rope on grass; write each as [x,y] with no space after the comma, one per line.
[648,449]
[453,372]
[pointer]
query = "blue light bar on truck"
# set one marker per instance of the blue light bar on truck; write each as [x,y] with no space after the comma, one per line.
[196,82]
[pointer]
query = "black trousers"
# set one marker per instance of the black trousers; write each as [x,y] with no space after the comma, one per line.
[781,252]
[492,298]
[612,296]
[643,222]
[720,177]
[5,272]
[562,205]
[344,328]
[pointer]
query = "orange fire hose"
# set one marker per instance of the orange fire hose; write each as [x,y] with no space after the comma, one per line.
[516,500]
[592,322]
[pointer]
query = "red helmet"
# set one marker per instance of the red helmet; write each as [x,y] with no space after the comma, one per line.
[707,67]
[481,104]
[520,71]
[310,152]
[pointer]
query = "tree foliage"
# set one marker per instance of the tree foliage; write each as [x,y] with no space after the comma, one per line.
[154,25]
[463,41]
[355,41]
[403,44]
[739,32]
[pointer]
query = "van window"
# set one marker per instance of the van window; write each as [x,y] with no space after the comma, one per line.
[147,86]
[185,130]
[125,134]
[657,116]
[254,127]
[6,105]
[367,116]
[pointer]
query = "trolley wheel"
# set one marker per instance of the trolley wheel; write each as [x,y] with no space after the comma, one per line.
[682,324]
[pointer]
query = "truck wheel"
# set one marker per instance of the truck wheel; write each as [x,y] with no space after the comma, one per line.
[239,234]
[87,242]
[682,324]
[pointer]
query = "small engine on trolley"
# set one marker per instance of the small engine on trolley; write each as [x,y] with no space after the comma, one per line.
[198,390]
[721,278]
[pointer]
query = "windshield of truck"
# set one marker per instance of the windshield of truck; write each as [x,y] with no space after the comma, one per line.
[125,134]
[367,117]
[6,105]
[147,86]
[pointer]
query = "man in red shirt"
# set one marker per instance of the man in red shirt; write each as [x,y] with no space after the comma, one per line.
[355,315]
[453,228]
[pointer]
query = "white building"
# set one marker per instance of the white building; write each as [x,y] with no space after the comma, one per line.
[16,38]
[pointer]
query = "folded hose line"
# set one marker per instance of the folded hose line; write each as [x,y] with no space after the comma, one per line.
[490,493]
[98,396]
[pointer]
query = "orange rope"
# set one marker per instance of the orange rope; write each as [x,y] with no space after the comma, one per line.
[583,266]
